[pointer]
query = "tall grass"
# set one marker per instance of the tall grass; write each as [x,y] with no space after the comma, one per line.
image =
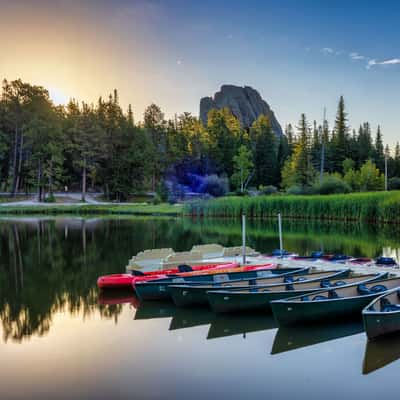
[366,207]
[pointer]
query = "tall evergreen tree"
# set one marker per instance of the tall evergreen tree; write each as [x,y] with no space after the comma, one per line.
[265,152]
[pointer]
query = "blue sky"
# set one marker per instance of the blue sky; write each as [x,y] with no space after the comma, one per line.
[300,55]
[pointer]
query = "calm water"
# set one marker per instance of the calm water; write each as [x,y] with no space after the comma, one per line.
[60,339]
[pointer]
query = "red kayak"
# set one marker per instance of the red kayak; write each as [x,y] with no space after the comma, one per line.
[116,281]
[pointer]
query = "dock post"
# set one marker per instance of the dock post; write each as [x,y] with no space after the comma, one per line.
[280,234]
[244,238]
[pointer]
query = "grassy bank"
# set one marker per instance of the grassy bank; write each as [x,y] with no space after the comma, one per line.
[142,209]
[364,207]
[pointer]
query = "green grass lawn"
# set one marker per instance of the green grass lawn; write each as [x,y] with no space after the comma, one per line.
[140,209]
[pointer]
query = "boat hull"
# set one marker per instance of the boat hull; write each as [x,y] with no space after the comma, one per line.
[288,312]
[158,290]
[381,323]
[187,296]
[230,301]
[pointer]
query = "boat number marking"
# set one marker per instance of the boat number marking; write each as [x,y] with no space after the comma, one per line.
[378,321]
[226,298]
[162,288]
[289,308]
[184,293]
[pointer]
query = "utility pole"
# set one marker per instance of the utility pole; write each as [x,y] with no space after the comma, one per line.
[386,171]
[323,146]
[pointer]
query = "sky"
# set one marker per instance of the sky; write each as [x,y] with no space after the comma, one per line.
[301,55]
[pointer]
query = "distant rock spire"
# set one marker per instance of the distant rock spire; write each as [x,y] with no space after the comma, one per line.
[244,102]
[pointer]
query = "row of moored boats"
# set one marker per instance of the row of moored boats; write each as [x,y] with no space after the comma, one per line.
[294,294]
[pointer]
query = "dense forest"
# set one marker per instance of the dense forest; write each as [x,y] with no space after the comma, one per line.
[99,147]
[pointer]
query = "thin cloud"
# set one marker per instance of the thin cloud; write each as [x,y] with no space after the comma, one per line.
[356,56]
[390,61]
[369,62]
[327,50]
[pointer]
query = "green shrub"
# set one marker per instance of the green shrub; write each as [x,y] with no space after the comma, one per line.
[331,185]
[394,183]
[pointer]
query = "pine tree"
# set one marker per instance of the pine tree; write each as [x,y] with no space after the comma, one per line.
[265,152]
[341,139]
[379,155]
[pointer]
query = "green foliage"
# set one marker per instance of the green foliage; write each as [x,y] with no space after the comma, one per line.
[265,147]
[224,133]
[298,169]
[331,184]
[268,190]
[243,164]
[370,207]
[394,183]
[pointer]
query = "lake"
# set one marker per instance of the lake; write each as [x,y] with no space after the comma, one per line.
[60,338]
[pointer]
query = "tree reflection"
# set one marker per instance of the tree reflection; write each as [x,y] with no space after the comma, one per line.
[50,265]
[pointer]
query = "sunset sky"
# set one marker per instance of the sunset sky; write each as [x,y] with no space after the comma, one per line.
[300,55]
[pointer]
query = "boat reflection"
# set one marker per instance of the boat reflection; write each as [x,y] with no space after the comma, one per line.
[381,352]
[191,317]
[294,337]
[230,325]
[155,309]
[120,296]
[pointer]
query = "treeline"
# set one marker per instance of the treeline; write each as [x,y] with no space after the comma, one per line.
[81,146]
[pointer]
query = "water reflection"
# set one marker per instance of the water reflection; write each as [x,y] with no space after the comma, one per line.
[230,325]
[381,352]
[289,338]
[188,318]
[50,265]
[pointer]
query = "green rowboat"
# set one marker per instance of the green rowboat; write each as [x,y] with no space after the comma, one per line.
[158,289]
[333,303]
[255,298]
[382,315]
[197,295]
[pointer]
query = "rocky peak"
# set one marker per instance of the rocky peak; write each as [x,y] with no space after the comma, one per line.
[244,102]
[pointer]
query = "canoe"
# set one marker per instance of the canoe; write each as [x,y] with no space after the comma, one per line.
[260,298]
[158,289]
[117,281]
[382,315]
[186,295]
[387,261]
[342,302]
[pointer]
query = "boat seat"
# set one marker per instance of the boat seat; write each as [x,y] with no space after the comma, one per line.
[363,290]
[300,279]
[391,307]
[339,283]
[378,288]
[305,298]
[289,286]
[385,302]
[320,297]
[288,279]
[252,282]
[333,295]
[325,283]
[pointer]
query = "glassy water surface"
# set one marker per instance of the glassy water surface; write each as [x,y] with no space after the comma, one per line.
[61,339]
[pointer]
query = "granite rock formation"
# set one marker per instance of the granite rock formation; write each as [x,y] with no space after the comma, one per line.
[244,102]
